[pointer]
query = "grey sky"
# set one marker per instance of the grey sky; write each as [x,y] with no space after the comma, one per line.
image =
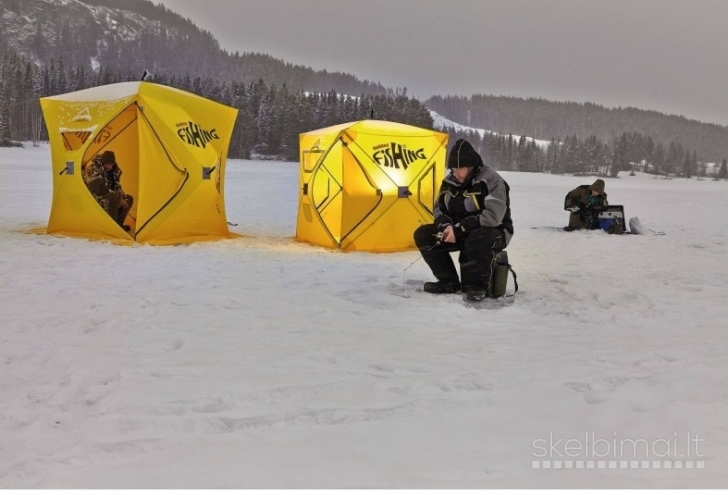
[664,55]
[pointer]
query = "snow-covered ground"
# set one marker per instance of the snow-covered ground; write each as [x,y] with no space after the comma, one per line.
[262,362]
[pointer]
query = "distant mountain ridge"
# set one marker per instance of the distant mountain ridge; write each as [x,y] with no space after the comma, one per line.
[546,120]
[133,36]
[137,35]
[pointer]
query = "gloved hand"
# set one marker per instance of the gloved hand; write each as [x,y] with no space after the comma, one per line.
[574,209]
[443,221]
[467,225]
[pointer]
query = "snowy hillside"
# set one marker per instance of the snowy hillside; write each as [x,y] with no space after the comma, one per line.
[261,362]
[28,23]
[440,122]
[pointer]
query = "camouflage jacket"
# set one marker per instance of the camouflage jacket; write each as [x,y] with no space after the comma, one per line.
[100,182]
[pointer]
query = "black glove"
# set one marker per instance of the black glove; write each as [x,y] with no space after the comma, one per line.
[443,221]
[467,225]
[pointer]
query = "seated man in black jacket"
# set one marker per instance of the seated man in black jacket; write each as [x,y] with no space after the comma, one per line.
[473,216]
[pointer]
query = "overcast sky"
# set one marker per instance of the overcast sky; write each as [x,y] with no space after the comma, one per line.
[664,55]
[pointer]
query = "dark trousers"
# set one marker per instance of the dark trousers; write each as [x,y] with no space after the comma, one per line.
[584,219]
[577,220]
[114,208]
[476,254]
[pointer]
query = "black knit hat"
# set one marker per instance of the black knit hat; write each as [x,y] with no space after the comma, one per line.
[107,157]
[462,154]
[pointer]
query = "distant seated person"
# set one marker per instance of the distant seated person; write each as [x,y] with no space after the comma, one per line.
[103,179]
[585,202]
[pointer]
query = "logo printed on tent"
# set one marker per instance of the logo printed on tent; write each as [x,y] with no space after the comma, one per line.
[394,154]
[194,134]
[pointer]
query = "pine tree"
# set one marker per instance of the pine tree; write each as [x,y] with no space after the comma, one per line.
[687,166]
[4,106]
[552,156]
[723,170]
[675,155]
[659,159]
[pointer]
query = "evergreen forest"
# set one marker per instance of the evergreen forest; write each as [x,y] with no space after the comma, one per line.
[277,101]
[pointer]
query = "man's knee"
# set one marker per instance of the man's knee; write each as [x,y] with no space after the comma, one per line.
[110,203]
[576,221]
[488,238]
[424,235]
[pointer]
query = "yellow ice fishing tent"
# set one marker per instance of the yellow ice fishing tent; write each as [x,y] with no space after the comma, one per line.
[171,147]
[367,185]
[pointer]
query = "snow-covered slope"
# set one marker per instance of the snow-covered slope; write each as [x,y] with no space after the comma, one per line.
[440,122]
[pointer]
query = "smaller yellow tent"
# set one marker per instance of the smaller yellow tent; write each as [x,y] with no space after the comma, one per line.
[171,147]
[367,185]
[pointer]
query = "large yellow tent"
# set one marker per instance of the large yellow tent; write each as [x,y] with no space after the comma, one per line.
[367,185]
[171,147]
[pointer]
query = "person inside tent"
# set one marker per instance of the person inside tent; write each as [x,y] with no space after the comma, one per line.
[472,215]
[103,178]
[585,202]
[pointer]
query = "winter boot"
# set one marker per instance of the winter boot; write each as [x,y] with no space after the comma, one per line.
[477,294]
[442,287]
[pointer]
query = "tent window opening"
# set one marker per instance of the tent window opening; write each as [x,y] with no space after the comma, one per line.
[73,140]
